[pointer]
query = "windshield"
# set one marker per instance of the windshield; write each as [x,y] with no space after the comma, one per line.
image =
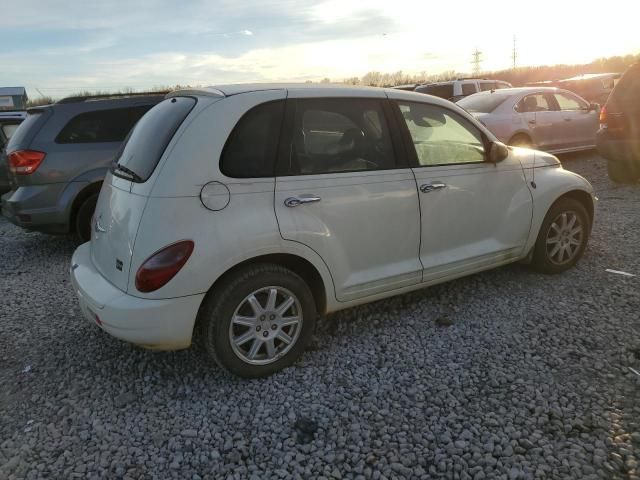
[483,103]
[141,151]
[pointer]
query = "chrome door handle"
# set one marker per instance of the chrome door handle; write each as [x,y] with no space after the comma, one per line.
[430,187]
[300,200]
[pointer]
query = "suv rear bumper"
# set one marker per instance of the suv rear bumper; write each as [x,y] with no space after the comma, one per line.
[617,149]
[37,207]
[156,324]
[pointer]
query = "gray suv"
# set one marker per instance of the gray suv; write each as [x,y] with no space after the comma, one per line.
[59,156]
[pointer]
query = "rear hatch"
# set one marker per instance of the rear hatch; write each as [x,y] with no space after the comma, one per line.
[119,211]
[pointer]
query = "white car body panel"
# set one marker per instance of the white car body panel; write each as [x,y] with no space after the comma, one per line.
[368,238]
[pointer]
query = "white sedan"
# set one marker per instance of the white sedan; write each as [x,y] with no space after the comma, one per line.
[546,118]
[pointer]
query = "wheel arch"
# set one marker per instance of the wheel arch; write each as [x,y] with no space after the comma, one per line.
[581,196]
[80,198]
[297,264]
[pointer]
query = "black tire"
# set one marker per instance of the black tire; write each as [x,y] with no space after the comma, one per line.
[543,252]
[219,307]
[83,218]
[521,140]
[623,171]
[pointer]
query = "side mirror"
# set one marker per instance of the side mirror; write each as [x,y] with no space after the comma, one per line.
[595,107]
[498,151]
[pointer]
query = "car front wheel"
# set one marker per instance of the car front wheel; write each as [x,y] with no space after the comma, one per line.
[259,321]
[563,237]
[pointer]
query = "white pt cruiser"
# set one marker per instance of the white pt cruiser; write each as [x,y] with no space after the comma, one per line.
[243,213]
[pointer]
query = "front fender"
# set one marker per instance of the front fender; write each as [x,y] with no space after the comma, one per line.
[552,183]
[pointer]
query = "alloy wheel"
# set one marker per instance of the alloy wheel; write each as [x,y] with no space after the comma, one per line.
[564,238]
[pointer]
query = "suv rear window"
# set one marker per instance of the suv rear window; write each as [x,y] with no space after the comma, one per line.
[101,126]
[251,149]
[148,140]
[442,91]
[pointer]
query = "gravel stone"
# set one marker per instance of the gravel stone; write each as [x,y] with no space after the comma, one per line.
[530,378]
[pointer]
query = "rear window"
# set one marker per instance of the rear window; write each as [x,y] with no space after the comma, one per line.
[628,87]
[146,143]
[8,129]
[485,103]
[101,126]
[442,91]
[19,137]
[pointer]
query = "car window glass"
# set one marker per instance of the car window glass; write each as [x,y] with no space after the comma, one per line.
[9,129]
[485,103]
[468,89]
[440,136]
[339,135]
[485,86]
[100,126]
[442,90]
[534,103]
[252,146]
[567,102]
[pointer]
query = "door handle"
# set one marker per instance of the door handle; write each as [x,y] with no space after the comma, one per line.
[567,119]
[430,187]
[532,122]
[300,200]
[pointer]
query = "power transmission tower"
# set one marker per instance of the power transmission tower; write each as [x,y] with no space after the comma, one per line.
[477,59]
[514,54]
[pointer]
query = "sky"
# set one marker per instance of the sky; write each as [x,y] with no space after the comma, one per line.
[57,47]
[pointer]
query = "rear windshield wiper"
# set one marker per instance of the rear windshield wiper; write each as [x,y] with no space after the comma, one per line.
[117,168]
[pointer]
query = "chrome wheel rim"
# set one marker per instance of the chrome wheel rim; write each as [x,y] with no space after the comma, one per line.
[266,325]
[564,238]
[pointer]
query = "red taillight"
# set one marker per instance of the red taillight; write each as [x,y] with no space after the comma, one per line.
[603,117]
[162,266]
[25,162]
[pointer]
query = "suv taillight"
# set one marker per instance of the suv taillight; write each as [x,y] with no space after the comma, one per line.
[25,162]
[162,266]
[603,117]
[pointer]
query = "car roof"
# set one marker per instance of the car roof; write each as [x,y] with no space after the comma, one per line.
[238,88]
[521,90]
[591,76]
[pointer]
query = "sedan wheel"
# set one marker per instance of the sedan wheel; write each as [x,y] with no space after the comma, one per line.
[563,236]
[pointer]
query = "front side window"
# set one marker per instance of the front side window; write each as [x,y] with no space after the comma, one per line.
[339,135]
[468,89]
[440,136]
[251,149]
[535,103]
[567,102]
[102,126]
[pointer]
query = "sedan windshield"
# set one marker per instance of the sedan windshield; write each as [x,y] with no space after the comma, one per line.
[482,103]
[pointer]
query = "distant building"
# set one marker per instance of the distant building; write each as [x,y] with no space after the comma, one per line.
[13,98]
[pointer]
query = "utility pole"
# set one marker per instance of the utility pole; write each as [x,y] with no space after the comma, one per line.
[477,59]
[514,54]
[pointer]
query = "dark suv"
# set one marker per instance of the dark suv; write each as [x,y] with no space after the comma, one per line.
[59,156]
[619,134]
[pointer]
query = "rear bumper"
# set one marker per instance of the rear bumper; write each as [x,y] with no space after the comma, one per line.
[156,324]
[37,207]
[620,149]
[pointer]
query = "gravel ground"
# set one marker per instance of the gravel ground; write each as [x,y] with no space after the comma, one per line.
[506,374]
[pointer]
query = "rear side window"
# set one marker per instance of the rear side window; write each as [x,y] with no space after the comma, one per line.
[468,89]
[628,87]
[442,91]
[252,147]
[8,129]
[141,152]
[486,86]
[486,103]
[101,126]
[339,135]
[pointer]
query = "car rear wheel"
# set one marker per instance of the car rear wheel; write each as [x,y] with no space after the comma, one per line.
[83,218]
[563,237]
[623,171]
[521,140]
[259,321]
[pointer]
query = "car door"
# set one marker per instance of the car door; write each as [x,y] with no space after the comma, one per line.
[474,214]
[580,123]
[542,117]
[343,190]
